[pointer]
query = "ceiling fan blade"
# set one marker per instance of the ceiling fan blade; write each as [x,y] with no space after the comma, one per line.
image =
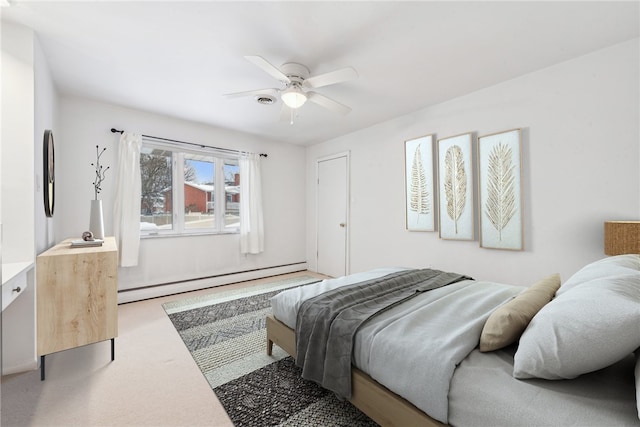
[328,103]
[332,77]
[268,68]
[270,91]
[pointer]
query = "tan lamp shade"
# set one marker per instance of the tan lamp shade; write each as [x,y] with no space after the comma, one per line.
[621,237]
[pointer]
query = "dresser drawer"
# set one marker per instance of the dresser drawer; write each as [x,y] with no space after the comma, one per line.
[14,281]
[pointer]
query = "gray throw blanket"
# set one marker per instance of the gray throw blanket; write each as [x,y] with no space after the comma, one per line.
[327,323]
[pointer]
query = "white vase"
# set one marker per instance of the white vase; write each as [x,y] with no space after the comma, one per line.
[96,223]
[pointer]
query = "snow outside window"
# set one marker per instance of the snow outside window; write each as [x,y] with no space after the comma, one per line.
[187,191]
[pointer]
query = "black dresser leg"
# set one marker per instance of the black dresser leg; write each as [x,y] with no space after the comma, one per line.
[113,349]
[42,368]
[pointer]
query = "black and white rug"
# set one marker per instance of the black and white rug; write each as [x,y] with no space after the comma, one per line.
[226,335]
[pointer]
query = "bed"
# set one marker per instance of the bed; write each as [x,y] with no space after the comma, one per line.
[482,353]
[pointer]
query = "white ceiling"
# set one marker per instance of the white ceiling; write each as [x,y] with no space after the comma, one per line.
[179,58]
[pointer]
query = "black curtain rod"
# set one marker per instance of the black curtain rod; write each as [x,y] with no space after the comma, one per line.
[114,130]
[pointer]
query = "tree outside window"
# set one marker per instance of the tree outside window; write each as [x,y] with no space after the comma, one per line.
[206,208]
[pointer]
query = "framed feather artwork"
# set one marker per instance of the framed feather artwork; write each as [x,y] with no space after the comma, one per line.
[419,195]
[500,205]
[455,187]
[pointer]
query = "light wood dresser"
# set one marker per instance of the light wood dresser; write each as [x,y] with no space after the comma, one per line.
[76,293]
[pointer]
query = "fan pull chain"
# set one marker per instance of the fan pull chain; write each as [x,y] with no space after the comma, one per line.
[294,113]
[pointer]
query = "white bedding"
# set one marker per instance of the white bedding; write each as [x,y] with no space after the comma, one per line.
[409,348]
[414,349]
[404,353]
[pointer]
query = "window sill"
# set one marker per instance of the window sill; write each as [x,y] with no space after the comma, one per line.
[187,234]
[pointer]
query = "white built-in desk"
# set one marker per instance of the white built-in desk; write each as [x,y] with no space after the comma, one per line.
[14,281]
[18,317]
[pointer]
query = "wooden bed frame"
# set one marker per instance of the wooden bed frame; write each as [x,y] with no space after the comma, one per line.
[380,404]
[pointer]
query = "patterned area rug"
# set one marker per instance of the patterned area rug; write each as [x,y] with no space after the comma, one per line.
[226,335]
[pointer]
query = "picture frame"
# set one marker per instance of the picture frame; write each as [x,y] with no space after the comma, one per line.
[455,187]
[48,173]
[500,190]
[420,211]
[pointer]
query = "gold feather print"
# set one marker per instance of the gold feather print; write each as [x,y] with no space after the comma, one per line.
[501,193]
[455,183]
[419,194]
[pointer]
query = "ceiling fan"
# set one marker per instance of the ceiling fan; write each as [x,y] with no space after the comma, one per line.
[297,82]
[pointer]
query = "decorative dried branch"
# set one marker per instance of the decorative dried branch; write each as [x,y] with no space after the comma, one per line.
[501,192]
[455,183]
[419,194]
[100,172]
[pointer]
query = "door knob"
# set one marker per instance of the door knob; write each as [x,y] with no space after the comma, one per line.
[343,225]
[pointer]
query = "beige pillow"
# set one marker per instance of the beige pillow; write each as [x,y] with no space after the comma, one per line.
[505,325]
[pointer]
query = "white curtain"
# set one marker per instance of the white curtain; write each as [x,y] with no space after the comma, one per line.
[126,209]
[251,223]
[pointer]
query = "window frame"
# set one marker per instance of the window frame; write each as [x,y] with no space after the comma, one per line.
[219,160]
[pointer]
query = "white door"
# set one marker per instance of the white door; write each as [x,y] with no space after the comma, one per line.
[332,215]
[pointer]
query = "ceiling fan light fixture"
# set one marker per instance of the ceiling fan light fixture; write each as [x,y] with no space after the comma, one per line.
[294,97]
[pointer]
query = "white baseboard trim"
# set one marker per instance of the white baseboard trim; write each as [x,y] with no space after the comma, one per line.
[24,366]
[138,294]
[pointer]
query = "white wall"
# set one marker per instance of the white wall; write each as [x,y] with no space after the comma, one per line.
[86,123]
[17,143]
[17,193]
[46,111]
[581,166]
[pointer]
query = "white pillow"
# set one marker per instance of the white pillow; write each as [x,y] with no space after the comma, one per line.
[587,328]
[606,267]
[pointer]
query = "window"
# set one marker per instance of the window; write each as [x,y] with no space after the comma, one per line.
[180,191]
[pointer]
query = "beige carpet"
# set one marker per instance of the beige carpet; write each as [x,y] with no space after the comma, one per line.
[153,381]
